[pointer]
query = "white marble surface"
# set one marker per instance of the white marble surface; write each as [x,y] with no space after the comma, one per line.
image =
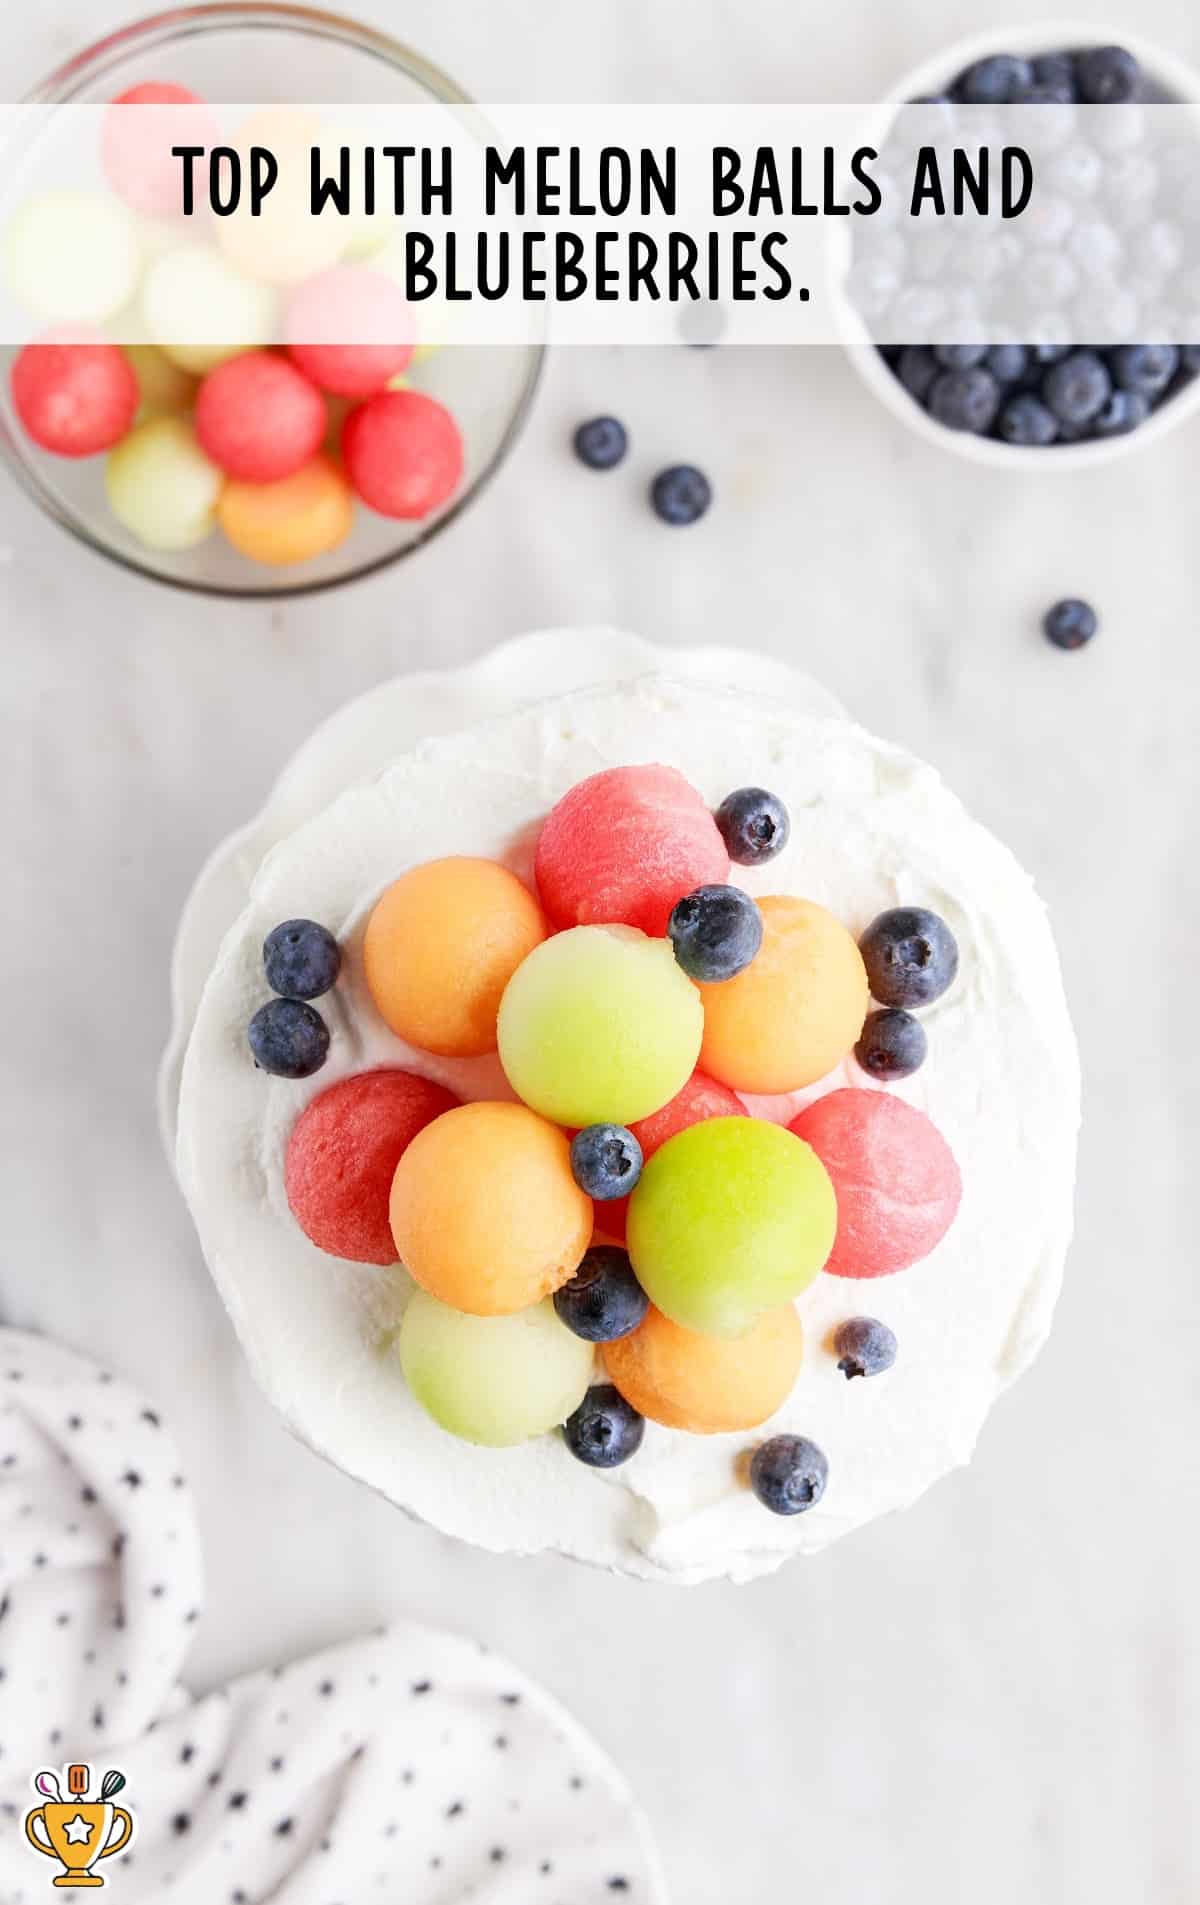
[998,1696]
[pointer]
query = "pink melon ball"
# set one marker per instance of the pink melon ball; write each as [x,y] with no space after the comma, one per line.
[403,453]
[135,148]
[74,398]
[342,1157]
[258,419]
[699,1099]
[623,846]
[897,1183]
[350,329]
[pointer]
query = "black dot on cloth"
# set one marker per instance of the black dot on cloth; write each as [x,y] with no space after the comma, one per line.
[422,1686]
[618,1885]
[131,1478]
[74,1422]
[236,1801]
[497,1855]
[284,1828]
[88,1495]
[277,1765]
[511,1699]
[150,1416]
[455,1810]
[186,1755]
[180,1824]
[326,1689]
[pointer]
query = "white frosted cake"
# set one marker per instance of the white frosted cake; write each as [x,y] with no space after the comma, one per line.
[470,764]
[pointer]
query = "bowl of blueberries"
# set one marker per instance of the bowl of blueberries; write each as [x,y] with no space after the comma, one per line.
[1057,403]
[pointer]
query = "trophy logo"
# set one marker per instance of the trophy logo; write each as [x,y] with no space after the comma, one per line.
[76,1830]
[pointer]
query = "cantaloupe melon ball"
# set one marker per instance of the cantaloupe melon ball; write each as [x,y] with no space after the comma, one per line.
[485,1212]
[294,519]
[495,1380]
[795,1011]
[710,1385]
[440,947]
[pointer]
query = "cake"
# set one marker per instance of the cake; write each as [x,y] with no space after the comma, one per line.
[842,1243]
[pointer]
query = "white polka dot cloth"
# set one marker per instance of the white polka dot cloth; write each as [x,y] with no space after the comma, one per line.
[410,1767]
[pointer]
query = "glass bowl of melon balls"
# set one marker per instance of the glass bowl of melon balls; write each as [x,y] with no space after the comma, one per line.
[287,419]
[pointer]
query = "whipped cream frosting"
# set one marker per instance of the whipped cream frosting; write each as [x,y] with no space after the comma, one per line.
[871,828]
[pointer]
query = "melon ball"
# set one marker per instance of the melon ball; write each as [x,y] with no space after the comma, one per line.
[72,257]
[285,241]
[599,1026]
[485,1212]
[292,520]
[795,1011]
[258,418]
[135,148]
[342,1157]
[700,1098]
[198,309]
[730,1218]
[161,485]
[494,1380]
[403,453]
[74,399]
[709,1385]
[441,945]
[164,389]
[897,1182]
[623,846]
[350,329]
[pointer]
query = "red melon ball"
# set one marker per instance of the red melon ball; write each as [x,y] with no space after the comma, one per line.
[74,399]
[403,453]
[350,329]
[342,1157]
[258,419]
[135,148]
[897,1184]
[623,846]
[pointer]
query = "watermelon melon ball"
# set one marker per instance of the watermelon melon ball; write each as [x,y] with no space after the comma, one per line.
[440,947]
[795,1011]
[135,148]
[74,398]
[700,1098]
[496,1380]
[342,1157]
[897,1182]
[623,846]
[599,1026]
[710,1385]
[729,1219]
[485,1213]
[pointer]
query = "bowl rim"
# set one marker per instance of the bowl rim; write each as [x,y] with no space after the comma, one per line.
[212,16]
[931,73]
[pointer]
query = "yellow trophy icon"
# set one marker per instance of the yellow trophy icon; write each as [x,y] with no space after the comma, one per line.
[75,1831]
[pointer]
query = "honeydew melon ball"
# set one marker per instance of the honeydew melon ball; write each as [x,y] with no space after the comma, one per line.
[164,390]
[72,257]
[285,242]
[495,1380]
[731,1218]
[200,311]
[161,485]
[599,1025]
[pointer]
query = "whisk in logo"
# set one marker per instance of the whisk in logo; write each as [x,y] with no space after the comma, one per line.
[74,1829]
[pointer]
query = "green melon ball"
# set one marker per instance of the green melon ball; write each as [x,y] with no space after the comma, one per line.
[730,1218]
[493,1379]
[599,1025]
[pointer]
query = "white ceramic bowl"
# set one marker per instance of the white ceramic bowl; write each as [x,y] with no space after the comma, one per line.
[930,78]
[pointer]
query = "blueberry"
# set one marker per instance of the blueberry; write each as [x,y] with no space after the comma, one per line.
[1146,368]
[959,356]
[1001,80]
[1124,411]
[288,1038]
[301,959]
[680,494]
[606,1160]
[1070,623]
[716,932]
[1106,75]
[605,1430]
[754,826]
[788,1474]
[603,1300]
[1049,92]
[1049,353]
[892,1044]
[1057,70]
[1077,387]
[911,956]
[1190,359]
[917,369]
[601,443]
[864,1347]
[1008,363]
[1027,422]
[965,399]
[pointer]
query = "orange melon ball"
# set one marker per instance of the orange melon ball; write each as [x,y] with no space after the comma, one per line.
[795,1011]
[484,1210]
[292,520]
[441,946]
[710,1385]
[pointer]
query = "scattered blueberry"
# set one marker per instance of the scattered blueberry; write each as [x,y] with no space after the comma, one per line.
[680,494]
[965,399]
[606,1160]
[603,1300]
[1000,80]
[864,1347]
[716,932]
[754,826]
[601,443]
[1106,75]
[1070,623]
[788,1474]
[1025,420]
[911,956]
[301,959]
[1146,368]
[892,1044]
[605,1430]
[289,1038]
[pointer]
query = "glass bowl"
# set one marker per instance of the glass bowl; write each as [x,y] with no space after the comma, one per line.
[275,55]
